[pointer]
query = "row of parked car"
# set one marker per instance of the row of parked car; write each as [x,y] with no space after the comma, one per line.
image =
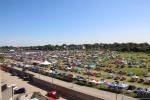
[86,81]
[21,75]
[70,77]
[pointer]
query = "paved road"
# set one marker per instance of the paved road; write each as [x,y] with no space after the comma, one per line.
[20,83]
[87,90]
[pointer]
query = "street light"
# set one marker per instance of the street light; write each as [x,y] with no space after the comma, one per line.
[53,69]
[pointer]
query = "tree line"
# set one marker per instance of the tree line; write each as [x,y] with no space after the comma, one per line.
[129,47]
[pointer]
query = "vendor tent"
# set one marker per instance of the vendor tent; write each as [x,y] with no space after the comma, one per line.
[46,63]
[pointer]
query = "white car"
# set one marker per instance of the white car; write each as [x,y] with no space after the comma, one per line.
[13,86]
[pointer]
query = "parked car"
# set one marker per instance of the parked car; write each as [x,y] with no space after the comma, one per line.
[54,73]
[55,94]
[148,90]
[68,77]
[13,86]
[90,73]
[141,81]
[131,74]
[19,90]
[131,87]
[139,90]
[35,69]
[79,78]
[26,78]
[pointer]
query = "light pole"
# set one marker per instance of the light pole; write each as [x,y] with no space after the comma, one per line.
[116,93]
[53,70]
[12,92]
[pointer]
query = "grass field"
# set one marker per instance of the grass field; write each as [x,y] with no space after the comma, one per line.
[137,71]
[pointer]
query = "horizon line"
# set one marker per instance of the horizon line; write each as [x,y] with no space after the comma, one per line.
[74,44]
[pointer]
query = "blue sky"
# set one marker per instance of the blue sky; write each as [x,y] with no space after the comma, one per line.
[40,22]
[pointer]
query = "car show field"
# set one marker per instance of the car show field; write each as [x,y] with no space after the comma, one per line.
[104,70]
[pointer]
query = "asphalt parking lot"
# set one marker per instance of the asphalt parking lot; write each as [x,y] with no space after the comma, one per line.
[20,83]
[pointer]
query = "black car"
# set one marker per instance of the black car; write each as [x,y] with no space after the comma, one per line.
[26,78]
[20,90]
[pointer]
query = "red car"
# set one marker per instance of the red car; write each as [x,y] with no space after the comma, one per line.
[54,94]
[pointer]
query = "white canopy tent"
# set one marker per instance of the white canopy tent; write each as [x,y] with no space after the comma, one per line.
[46,63]
[45,66]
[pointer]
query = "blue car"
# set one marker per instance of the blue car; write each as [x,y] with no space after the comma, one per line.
[55,73]
[139,90]
[79,78]
[34,69]
[20,90]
